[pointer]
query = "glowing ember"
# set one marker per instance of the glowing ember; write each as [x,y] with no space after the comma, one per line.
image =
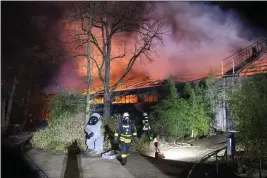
[126,99]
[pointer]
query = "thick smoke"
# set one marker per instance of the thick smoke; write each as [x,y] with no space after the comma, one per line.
[199,37]
[202,35]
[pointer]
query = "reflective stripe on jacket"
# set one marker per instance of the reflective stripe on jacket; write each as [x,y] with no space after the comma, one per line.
[146,125]
[125,132]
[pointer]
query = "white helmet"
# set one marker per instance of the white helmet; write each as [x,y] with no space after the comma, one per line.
[96,115]
[144,114]
[125,115]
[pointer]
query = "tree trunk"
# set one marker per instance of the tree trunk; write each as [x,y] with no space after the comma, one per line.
[107,99]
[3,111]
[107,95]
[88,96]
[260,176]
[26,110]
[107,105]
[9,107]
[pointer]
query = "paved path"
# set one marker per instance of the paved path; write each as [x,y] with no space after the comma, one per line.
[196,152]
[179,160]
[60,166]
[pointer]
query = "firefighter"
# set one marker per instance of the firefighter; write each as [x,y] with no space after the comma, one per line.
[125,134]
[146,129]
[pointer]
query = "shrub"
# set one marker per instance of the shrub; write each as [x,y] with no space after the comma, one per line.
[175,116]
[66,123]
[198,117]
[66,102]
[169,115]
[142,145]
[61,134]
[249,111]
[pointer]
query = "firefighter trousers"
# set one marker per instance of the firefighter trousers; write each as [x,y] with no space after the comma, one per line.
[125,148]
[147,132]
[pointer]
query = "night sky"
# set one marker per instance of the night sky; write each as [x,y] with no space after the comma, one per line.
[19,33]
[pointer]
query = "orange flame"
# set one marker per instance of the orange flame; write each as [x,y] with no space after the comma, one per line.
[126,99]
[136,78]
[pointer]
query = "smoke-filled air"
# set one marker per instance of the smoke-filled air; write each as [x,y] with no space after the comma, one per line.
[197,37]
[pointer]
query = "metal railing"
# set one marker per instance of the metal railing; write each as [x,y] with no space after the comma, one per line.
[207,156]
[237,61]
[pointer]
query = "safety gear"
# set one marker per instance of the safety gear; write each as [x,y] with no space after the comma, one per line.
[146,129]
[88,150]
[134,139]
[116,140]
[94,137]
[88,136]
[94,119]
[125,133]
[126,115]
[126,118]
[146,125]
[125,148]
[145,114]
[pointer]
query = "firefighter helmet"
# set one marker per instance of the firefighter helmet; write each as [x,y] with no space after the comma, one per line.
[126,115]
[145,115]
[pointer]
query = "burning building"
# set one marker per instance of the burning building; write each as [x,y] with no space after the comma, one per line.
[197,42]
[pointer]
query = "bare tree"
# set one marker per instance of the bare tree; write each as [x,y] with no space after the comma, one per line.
[125,19]
[7,113]
[83,13]
[112,20]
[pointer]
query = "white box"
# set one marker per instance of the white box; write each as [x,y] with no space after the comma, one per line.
[110,155]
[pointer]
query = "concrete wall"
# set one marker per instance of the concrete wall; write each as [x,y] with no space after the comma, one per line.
[221,88]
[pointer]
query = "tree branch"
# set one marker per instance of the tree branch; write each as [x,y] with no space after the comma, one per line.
[95,42]
[129,67]
[99,69]
[81,45]
[79,55]
[117,57]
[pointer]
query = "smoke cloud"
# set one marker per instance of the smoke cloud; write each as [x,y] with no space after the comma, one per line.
[199,37]
[202,35]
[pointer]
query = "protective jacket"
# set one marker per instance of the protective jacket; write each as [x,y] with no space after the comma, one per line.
[146,125]
[94,137]
[126,132]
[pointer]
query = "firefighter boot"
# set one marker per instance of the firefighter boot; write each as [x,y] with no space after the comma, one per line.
[123,161]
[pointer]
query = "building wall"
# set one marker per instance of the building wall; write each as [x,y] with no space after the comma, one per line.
[221,89]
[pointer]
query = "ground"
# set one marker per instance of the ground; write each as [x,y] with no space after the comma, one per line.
[178,162]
